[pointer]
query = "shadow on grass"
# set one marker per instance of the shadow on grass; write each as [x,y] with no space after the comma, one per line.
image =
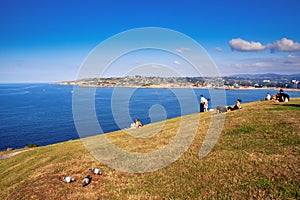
[243,129]
[287,107]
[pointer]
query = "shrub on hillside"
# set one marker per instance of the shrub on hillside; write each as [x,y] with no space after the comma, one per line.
[32,145]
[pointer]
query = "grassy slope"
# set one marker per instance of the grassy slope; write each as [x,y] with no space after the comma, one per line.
[257,156]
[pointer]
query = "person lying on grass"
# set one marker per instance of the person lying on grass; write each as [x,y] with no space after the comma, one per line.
[237,106]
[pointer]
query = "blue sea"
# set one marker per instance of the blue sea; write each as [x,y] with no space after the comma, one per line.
[43,114]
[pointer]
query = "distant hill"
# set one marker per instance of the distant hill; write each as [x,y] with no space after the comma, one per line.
[267,76]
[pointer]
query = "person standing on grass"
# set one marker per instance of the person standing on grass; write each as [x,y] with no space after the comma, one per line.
[206,105]
[202,103]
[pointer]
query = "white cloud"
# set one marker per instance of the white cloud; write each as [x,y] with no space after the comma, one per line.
[182,50]
[239,44]
[219,49]
[284,45]
[176,62]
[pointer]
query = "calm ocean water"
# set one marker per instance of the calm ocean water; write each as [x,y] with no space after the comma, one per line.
[42,113]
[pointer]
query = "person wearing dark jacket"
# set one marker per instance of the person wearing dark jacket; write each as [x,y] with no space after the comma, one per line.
[236,106]
[282,97]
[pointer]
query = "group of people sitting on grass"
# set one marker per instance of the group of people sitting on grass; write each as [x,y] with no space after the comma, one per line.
[204,105]
[279,97]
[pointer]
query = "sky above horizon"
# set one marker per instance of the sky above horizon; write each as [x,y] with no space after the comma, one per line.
[49,40]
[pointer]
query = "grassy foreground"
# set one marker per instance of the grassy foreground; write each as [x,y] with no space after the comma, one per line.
[256,157]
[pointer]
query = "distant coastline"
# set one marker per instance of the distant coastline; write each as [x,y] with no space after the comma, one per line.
[193,87]
[260,82]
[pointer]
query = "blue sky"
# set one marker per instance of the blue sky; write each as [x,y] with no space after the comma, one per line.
[47,41]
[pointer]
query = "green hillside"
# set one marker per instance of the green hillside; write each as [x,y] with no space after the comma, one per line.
[257,156]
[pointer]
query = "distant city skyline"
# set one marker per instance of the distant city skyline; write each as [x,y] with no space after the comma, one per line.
[47,41]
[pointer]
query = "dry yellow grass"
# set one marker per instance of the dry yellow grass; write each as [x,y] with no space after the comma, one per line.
[256,157]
